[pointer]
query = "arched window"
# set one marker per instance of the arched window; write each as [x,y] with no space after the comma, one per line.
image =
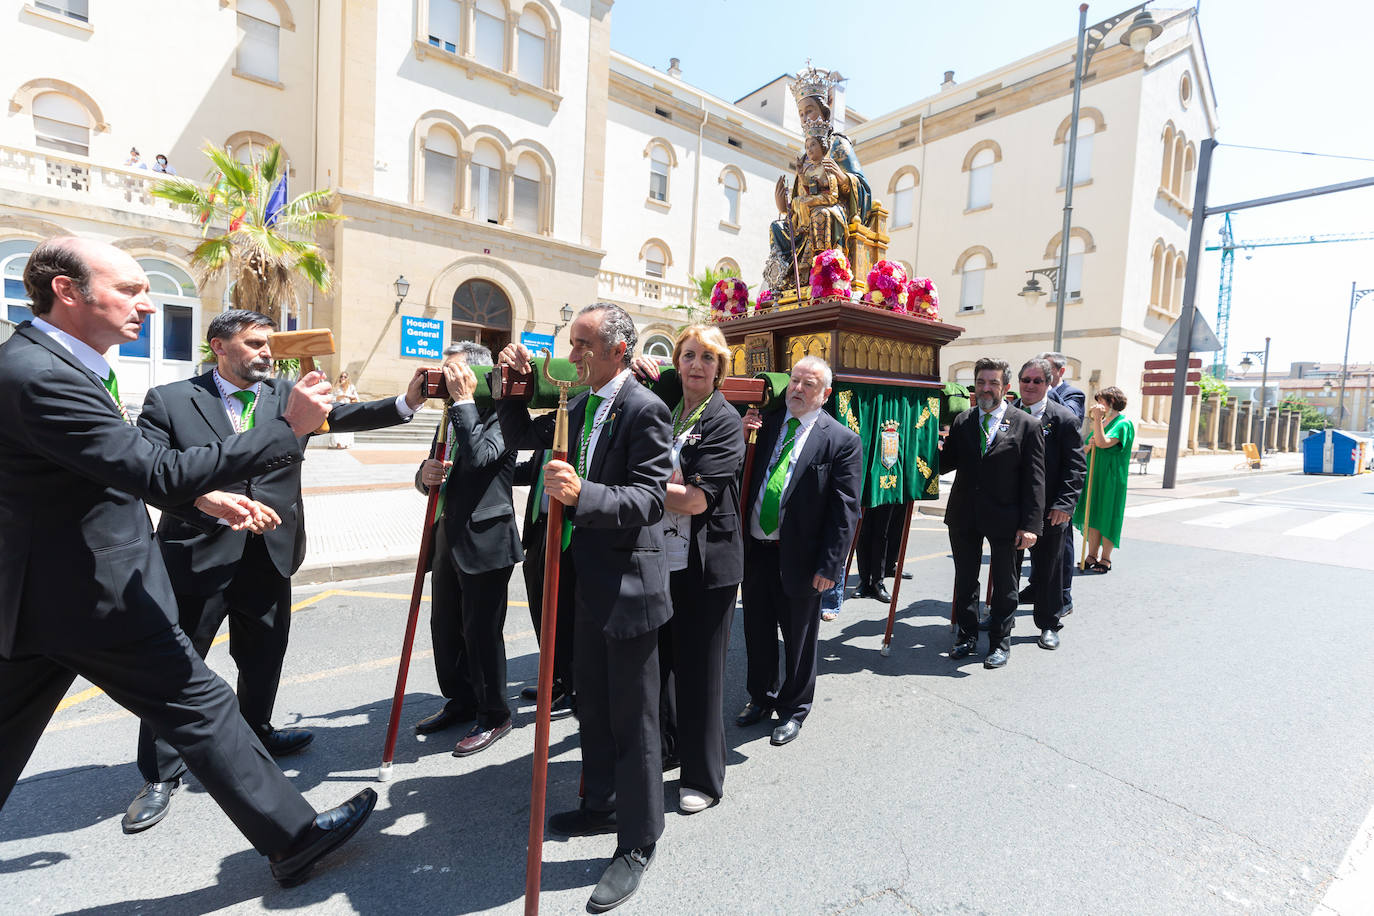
[658,173]
[728,267]
[655,260]
[481,312]
[1185,191]
[441,170]
[971,282]
[904,199]
[259,39]
[980,179]
[731,185]
[14,254]
[525,197]
[1080,243]
[530,52]
[1083,155]
[486,183]
[1156,273]
[1167,168]
[659,347]
[489,33]
[444,19]
[61,123]
[1180,153]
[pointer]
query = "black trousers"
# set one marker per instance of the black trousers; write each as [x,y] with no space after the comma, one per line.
[768,609]
[667,692]
[161,679]
[617,708]
[1047,570]
[700,639]
[967,546]
[533,571]
[874,542]
[257,604]
[466,623]
[1068,565]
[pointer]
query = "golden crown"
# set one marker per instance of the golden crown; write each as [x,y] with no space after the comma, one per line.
[816,127]
[809,81]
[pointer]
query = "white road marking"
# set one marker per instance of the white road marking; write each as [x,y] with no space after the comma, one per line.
[1236,517]
[1159,507]
[1331,527]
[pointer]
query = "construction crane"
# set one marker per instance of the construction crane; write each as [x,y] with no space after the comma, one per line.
[1228,247]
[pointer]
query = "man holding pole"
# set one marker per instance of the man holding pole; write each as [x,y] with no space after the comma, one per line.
[612,488]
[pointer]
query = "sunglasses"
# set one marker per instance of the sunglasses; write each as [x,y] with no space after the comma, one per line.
[1032,381]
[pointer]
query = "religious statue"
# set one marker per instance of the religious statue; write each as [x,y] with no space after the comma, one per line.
[817,213]
[791,236]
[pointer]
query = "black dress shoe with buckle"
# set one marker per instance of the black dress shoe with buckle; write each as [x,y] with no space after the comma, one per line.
[785,733]
[752,714]
[330,830]
[964,647]
[997,658]
[283,742]
[149,806]
[583,821]
[621,878]
[479,739]
[1049,639]
[447,717]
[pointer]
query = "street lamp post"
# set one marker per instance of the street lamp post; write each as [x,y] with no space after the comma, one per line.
[1355,296]
[1142,31]
[1246,363]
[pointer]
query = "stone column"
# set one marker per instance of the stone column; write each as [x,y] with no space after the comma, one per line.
[1271,437]
[1233,424]
[1214,424]
[1194,414]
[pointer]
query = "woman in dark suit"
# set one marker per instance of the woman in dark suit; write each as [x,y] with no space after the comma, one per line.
[705,549]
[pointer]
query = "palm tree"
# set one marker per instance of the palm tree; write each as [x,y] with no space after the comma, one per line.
[261,252]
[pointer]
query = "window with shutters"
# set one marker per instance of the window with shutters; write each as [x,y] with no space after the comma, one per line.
[441,170]
[259,47]
[61,123]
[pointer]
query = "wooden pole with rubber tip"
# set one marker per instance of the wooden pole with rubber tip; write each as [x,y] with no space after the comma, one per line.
[897,583]
[305,346]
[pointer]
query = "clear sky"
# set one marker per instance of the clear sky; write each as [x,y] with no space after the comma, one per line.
[1293,76]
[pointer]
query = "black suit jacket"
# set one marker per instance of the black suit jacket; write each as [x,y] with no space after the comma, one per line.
[820,507]
[479,515]
[79,567]
[1064,461]
[202,556]
[711,460]
[1071,397]
[1000,492]
[617,544]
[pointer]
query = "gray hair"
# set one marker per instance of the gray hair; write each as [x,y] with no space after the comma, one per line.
[474,354]
[616,325]
[815,362]
[1058,360]
[1039,362]
[987,362]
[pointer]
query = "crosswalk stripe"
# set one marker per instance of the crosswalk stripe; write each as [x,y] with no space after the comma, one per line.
[1236,517]
[1330,527]
[1164,505]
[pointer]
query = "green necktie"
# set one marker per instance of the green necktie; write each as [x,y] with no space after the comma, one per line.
[588,418]
[987,418]
[772,493]
[112,386]
[249,401]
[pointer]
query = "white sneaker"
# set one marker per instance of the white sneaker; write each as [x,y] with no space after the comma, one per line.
[690,801]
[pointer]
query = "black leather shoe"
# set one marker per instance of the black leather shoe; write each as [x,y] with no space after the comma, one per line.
[1026,595]
[283,742]
[330,830]
[906,575]
[621,878]
[997,658]
[582,822]
[752,714]
[563,706]
[881,593]
[964,647]
[865,590]
[149,806]
[447,717]
[479,739]
[1049,639]
[1068,609]
[785,733]
[529,693]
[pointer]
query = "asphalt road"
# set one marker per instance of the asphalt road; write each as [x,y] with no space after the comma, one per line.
[1202,742]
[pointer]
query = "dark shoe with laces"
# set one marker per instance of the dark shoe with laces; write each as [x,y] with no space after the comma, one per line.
[621,878]
[964,646]
[149,806]
[881,593]
[283,742]
[997,658]
[752,714]
[330,830]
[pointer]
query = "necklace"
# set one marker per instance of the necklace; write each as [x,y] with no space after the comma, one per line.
[680,426]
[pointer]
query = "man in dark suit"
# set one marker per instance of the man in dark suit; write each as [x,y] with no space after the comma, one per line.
[476,545]
[83,587]
[242,575]
[1064,470]
[1061,392]
[998,495]
[613,488]
[803,505]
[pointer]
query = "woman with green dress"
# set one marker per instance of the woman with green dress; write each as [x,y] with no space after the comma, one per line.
[1103,504]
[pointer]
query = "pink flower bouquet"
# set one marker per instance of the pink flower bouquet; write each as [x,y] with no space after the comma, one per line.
[887,286]
[729,299]
[921,298]
[765,300]
[830,275]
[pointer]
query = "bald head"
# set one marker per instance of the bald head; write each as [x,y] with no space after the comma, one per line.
[92,290]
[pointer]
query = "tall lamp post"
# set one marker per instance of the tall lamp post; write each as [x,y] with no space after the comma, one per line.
[1355,296]
[1142,31]
[1245,364]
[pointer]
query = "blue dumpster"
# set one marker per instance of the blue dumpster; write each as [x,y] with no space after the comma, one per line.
[1333,452]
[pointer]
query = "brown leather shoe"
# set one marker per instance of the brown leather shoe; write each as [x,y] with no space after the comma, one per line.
[330,830]
[479,739]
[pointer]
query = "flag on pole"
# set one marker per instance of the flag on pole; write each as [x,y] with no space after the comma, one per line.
[276,201]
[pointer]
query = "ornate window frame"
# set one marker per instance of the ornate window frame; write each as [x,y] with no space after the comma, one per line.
[508,75]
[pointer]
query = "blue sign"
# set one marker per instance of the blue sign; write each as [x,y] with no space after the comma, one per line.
[422,338]
[533,341]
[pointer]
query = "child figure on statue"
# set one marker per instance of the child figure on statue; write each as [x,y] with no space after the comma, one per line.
[817,208]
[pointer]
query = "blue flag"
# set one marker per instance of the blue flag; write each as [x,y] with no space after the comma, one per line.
[276,202]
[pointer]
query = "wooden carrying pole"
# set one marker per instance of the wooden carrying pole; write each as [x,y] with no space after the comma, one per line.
[304,345]
[553,548]
[403,669]
[897,582]
[1087,507]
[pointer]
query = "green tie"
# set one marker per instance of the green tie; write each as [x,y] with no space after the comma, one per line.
[249,401]
[987,418]
[112,386]
[588,419]
[772,493]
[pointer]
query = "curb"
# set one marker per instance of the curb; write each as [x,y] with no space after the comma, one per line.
[320,573]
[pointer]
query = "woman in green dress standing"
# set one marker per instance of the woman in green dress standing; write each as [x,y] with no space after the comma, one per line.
[1103,506]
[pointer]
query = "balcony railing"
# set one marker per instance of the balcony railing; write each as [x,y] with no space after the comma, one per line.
[642,291]
[75,179]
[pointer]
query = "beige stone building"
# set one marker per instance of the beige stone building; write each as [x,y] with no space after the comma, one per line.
[506,163]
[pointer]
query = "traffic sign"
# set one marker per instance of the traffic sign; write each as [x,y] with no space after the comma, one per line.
[1204,341]
[1168,390]
[1167,378]
[1170,363]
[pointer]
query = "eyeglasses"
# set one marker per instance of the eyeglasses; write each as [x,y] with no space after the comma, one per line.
[1032,381]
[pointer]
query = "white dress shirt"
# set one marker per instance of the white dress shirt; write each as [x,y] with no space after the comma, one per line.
[994,422]
[1037,409]
[808,422]
[607,392]
[84,352]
